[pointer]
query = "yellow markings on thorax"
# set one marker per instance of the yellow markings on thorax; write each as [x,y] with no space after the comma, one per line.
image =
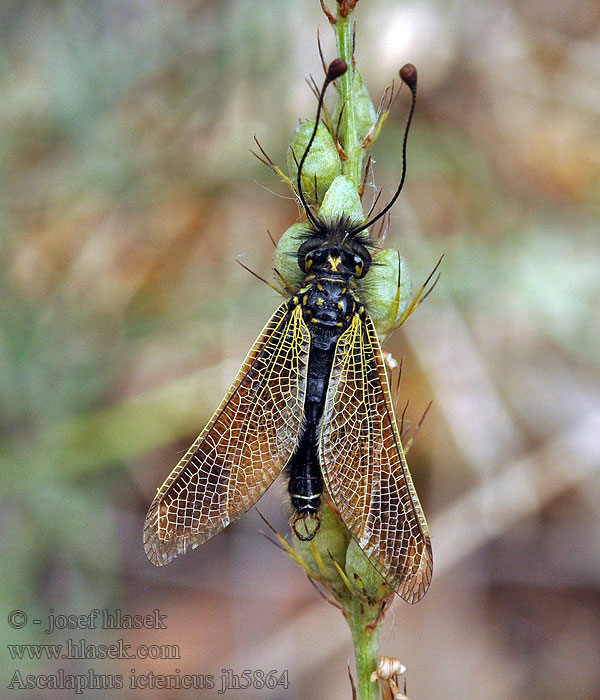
[301,299]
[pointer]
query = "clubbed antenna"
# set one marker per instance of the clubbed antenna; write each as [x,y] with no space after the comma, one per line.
[336,68]
[408,73]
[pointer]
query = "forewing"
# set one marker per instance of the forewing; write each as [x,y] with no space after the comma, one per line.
[246,444]
[364,467]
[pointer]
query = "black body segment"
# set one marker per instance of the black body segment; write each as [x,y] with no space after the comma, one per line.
[328,301]
[305,483]
[325,303]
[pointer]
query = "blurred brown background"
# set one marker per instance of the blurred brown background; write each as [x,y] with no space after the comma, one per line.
[127,193]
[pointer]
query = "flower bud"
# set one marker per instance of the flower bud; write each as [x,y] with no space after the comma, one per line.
[364,112]
[387,290]
[286,255]
[329,545]
[364,577]
[322,161]
[342,200]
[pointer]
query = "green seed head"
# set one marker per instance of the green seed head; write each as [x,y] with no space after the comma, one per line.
[285,260]
[387,290]
[322,162]
[363,576]
[342,200]
[364,111]
[326,550]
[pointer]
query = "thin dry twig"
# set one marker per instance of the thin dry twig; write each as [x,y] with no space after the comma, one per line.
[321,52]
[259,277]
[330,17]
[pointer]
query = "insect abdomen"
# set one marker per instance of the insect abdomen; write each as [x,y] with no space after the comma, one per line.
[327,308]
[306,483]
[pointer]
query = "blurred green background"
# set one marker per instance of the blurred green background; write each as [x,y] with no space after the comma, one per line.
[127,191]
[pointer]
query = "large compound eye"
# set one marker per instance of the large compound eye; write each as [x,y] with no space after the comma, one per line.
[353,263]
[312,258]
[306,252]
[361,260]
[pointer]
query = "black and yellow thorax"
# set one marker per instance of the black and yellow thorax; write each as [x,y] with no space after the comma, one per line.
[334,261]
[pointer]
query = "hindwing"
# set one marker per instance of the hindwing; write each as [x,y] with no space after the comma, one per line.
[364,467]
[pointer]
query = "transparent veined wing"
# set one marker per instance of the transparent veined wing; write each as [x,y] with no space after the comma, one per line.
[246,444]
[364,467]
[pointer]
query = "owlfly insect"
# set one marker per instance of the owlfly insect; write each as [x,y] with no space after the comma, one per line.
[312,396]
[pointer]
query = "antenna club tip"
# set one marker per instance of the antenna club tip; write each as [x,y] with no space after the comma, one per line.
[408,73]
[336,68]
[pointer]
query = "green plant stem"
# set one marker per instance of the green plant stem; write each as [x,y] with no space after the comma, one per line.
[366,648]
[352,166]
[364,636]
